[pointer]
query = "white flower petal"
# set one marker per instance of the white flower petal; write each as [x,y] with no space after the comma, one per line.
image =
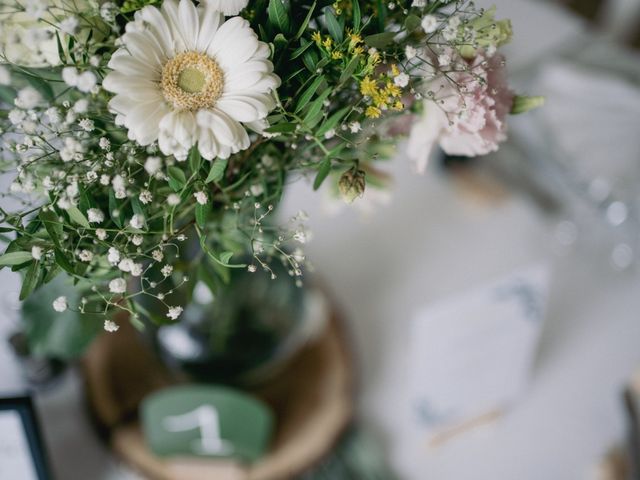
[234,43]
[228,7]
[210,21]
[188,18]
[145,49]
[159,27]
[129,65]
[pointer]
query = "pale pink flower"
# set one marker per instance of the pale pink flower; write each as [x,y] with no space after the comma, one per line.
[467,113]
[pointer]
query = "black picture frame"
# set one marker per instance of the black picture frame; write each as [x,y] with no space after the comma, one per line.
[23,405]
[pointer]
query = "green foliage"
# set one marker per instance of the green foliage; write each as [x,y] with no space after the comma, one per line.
[64,335]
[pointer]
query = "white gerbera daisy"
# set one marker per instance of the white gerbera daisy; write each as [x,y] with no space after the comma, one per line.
[228,7]
[185,76]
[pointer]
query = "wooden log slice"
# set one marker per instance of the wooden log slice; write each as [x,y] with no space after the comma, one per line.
[311,398]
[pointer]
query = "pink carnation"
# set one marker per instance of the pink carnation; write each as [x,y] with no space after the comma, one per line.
[467,113]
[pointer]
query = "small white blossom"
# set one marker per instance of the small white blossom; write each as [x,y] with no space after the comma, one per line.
[137,240]
[86,81]
[153,165]
[53,114]
[173,200]
[118,285]
[104,143]
[401,80]
[330,133]
[125,265]
[113,256]
[444,60]
[136,269]
[101,233]
[300,236]
[36,252]
[145,197]
[68,25]
[85,256]
[28,98]
[355,127]
[70,76]
[419,3]
[157,255]
[16,117]
[60,304]
[110,326]
[429,23]
[201,197]
[81,106]
[108,11]
[174,312]
[95,215]
[410,52]
[86,124]
[137,221]
[167,270]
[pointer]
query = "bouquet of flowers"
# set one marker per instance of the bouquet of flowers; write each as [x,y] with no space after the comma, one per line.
[132,129]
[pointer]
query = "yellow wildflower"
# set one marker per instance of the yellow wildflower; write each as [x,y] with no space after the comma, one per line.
[368,87]
[373,112]
[393,90]
[336,55]
[316,37]
[395,70]
[398,105]
[327,43]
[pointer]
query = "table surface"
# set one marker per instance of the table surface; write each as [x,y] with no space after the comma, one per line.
[432,239]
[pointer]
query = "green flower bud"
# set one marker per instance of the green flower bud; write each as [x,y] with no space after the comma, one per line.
[352,184]
[523,103]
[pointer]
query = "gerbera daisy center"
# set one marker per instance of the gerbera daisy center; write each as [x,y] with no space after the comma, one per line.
[192,81]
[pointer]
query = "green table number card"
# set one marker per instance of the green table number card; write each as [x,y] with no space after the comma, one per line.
[206,421]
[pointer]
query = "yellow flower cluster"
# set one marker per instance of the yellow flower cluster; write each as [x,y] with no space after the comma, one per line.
[383,92]
[338,51]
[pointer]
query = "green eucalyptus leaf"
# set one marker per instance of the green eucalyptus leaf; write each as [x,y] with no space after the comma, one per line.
[14,258]
[357,15]
[305,23]
[314,114]
[63,262]
[195,160]
[284,127]
[350,68]
[335,29]
[201,215]
[379,40]
[78,217]
[308,94]
[217,170]
[30,280]
[323,171]
[52,225]
[225,257]
[411,23]
[278,13]
[63,335]
[177,178]
[332,121]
